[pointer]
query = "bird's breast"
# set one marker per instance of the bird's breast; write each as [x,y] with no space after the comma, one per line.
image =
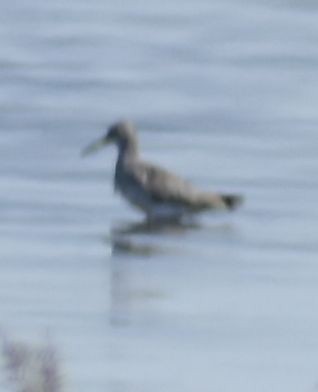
[125,184]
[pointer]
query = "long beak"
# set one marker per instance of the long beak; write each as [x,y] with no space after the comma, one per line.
[91,148]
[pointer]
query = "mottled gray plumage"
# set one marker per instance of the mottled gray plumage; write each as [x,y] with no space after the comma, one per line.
[157,192]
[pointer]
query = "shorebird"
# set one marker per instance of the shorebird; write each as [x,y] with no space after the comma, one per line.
[160,194]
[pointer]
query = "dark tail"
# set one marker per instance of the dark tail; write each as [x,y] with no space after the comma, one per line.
[232,201]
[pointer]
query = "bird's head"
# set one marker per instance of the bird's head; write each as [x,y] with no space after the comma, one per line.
[122,134]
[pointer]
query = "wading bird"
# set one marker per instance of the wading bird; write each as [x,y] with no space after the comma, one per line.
[160,194]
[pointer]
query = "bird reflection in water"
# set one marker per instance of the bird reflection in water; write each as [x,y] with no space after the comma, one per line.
[157,227]
[122,242]
[129,290]
[132,246]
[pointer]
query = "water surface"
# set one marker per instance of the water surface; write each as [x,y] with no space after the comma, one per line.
[224,93]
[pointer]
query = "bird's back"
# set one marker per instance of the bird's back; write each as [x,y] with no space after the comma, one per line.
[159,192]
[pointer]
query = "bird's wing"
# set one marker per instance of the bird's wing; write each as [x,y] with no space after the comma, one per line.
[163,186]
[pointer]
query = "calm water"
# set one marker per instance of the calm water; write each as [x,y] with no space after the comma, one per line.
[224,93]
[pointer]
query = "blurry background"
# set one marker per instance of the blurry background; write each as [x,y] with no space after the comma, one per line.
[224,93]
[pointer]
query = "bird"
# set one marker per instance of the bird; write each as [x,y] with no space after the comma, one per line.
[158,193]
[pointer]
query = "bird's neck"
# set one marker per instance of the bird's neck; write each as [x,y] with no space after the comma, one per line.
[128,151]
[125,161]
